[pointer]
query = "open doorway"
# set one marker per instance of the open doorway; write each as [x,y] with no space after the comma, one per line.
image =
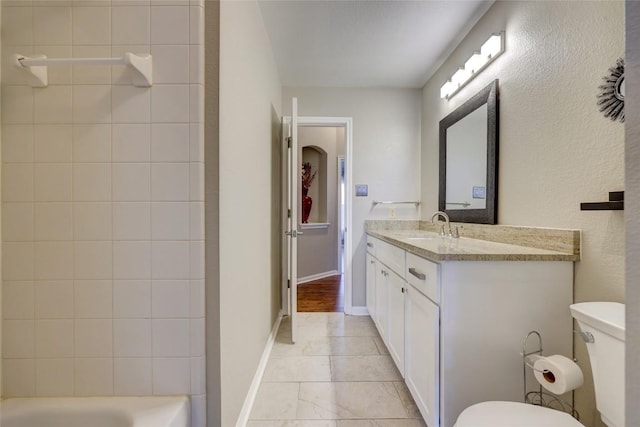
[323,212]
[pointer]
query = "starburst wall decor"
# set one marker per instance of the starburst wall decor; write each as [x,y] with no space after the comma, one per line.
[611,96]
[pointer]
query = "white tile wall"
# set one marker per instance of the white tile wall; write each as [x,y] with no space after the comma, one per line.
[171,299]
[132,260]
[132,221]
[17,182]
[54,377]
[93,377]
[54,299]
[132,337]
[131,299]
[18,222]
[130,25]
[131,143]
[17,143]
[93,299]
[102,203]
[18,300]
[133,376]
[52,143]
[91,25]
[92,221]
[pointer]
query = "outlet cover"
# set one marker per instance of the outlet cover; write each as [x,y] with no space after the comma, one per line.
[362,190]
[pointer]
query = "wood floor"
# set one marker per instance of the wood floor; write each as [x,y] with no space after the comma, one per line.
[322,295]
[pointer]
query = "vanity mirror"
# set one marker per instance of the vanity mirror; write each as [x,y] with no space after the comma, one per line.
[469,159]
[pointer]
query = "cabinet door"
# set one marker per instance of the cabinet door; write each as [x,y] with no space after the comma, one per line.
[422,370]
[381,300]
[371,285]
[395,331]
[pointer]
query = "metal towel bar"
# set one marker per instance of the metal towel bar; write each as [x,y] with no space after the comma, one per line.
[392,202]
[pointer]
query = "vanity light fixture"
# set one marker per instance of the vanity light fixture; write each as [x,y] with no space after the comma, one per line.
[489,51]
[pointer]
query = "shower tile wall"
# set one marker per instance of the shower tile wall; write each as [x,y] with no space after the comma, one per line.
[102,203]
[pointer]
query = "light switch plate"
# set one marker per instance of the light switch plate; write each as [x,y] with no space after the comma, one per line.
[362,190]
[479,192]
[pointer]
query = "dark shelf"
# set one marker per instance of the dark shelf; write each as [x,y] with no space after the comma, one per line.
[615,203]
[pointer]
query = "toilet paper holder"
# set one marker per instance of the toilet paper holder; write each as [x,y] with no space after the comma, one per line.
[540,397]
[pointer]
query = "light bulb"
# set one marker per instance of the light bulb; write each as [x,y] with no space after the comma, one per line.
[492,46]
[476,62]
[460,77]
[446,89]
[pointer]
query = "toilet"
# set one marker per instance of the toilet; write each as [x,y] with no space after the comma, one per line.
[604,321]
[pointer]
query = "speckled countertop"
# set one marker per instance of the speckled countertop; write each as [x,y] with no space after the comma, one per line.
[436,248]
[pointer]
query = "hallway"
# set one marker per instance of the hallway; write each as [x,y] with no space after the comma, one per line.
[322,295]
[338,374]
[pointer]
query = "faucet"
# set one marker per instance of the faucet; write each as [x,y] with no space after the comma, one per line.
[438,214]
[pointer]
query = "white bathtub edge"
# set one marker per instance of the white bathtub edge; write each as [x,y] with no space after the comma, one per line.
[142,411]
[243,418]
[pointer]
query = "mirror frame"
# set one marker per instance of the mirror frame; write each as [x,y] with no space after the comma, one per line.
[489,215]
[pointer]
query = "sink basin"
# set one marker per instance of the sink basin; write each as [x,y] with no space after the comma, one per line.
[422,238]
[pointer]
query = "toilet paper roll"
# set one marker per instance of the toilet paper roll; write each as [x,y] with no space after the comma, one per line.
[558,374]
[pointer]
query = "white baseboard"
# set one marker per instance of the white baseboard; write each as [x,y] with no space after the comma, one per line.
[243,418]
[318,276]
[359,311]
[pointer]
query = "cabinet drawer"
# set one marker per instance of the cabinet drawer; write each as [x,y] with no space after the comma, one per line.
[372,243]
[391,256]
[423,275]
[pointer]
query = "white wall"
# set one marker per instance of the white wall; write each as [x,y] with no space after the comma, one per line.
[249,198]
[632,206]
[386,153]
[102,204]
[0,230]
[556,149]
[318,248]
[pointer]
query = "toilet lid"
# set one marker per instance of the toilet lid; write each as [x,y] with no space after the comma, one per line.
[510,414]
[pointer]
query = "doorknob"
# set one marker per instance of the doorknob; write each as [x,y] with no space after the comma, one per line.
[293,233]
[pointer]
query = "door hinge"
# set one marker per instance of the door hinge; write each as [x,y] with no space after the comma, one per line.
[289,141]
[288,284]
[288,213]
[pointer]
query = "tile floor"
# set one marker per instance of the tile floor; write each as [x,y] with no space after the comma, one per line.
[338,374]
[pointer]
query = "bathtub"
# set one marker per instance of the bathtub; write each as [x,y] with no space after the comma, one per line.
[153,411]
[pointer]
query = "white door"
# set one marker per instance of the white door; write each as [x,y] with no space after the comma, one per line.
[291,191]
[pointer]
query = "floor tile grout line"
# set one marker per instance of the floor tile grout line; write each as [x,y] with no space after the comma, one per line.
[374,339]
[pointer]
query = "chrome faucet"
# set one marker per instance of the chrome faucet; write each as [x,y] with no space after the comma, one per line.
[450,233]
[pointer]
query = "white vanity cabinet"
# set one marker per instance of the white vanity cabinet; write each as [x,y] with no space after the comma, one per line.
[371,284]
[422,335]
[422,359]
[382,302]
[455,328]
[396,288]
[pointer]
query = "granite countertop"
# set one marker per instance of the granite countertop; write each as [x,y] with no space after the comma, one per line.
[436,248]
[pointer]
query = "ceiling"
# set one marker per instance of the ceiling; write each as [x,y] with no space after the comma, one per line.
[361,43]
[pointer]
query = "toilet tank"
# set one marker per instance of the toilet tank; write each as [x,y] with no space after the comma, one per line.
[605,321]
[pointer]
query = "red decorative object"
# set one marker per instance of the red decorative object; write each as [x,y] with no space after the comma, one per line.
[307,179]
[306,205]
